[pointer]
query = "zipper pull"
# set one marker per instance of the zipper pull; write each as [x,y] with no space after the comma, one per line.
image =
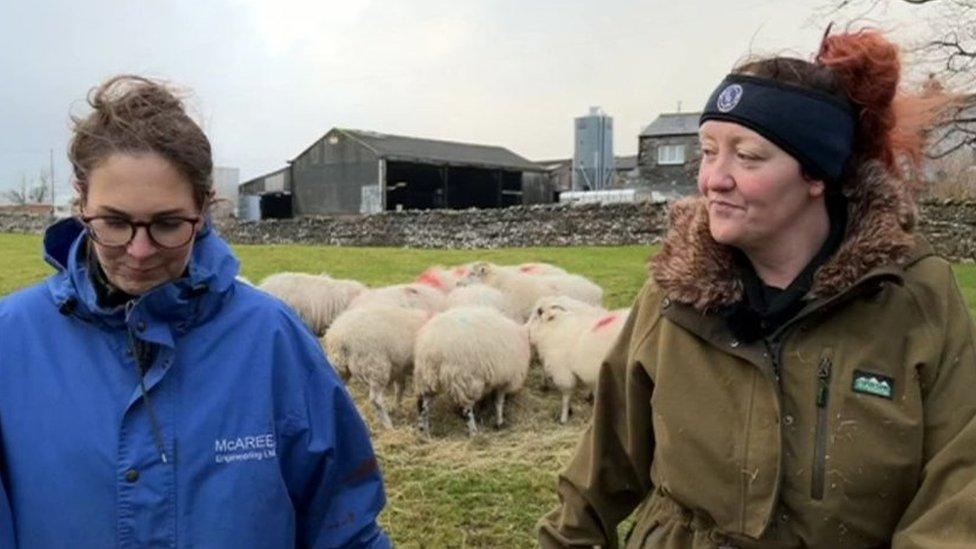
[823,382]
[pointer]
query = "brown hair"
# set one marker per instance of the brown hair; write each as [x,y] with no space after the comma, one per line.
[132,114]
[864,68]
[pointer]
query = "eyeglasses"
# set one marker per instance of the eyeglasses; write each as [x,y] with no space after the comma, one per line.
[166,232]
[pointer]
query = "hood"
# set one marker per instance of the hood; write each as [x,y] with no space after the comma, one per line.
[694,269]
[176,306]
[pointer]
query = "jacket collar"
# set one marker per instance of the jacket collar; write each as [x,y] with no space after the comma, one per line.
[695,270]
[177,305]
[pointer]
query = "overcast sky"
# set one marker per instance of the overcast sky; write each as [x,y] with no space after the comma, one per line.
[269,78]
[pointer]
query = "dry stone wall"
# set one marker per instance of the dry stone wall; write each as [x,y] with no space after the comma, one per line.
[949,225]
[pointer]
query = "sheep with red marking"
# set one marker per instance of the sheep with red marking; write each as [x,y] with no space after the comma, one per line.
[538,268]
[374,346]
[468,354]
[572,339]
[411,296]
[524,290]
[443,278]
[318,299]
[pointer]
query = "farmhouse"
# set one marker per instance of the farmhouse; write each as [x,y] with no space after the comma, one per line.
[668,153]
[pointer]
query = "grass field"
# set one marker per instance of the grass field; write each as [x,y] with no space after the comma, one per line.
[450,491]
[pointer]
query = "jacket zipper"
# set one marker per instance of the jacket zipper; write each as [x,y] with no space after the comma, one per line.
[820,442]
[143,370]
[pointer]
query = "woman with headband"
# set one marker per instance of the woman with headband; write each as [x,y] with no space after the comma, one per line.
[799,369]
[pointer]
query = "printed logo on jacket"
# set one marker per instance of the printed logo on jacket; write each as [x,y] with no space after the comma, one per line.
[246,448]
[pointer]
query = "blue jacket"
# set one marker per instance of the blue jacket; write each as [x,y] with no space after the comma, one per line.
[247,437]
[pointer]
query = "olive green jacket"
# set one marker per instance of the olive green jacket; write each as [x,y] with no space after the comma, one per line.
[853,425]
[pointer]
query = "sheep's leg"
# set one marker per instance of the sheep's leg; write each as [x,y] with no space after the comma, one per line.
[398,392]
[423,407]
[499,409]
[468,412]
[376,397]
[564,413]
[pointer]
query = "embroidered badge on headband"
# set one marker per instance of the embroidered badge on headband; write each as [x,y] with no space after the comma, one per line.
[729,98]
[873,384]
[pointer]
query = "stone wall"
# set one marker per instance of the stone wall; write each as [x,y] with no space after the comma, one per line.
[517,226]
[950,226]
[23,223]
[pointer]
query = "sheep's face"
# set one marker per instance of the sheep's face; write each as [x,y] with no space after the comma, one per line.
[546,313]
[478,274]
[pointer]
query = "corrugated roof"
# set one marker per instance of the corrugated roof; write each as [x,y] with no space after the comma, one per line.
[398,147]
[673,123]
[264,176]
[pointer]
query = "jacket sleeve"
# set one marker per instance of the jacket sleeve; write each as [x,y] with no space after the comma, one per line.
[610,472]
[6,517]
[943,511]
[327,459]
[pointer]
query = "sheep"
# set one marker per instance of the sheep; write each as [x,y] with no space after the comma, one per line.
[318,299]
[411,296]
[525,290]
[572,339]
[443,278]
[480,294]
[374,345]
[540,269]
[575,286]
[469,353]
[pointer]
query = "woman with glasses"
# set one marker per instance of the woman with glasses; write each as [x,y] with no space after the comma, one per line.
[799,369]
[147,398]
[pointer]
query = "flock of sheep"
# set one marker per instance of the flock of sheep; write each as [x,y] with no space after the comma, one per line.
[468,332]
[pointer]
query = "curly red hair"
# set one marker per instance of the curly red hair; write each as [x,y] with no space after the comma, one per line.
[864,67]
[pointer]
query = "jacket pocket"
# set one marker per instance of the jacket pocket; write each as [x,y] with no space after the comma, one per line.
[820,433]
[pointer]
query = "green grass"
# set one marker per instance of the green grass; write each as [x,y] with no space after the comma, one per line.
[451,491]
[20,261]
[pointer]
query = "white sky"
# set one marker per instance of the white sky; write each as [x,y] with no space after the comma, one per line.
[269,78]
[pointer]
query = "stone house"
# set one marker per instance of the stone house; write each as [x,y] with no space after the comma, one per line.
[668,154]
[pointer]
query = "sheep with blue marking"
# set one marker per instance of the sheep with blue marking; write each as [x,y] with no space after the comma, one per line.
[469,354]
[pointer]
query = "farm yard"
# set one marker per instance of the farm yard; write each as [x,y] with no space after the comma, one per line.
[450,490]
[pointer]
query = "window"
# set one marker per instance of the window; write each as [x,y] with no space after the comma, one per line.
[671,154]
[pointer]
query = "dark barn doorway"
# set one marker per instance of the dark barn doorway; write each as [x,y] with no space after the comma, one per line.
[411,186]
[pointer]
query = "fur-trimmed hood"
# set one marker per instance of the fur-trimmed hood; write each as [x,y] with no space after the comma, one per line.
[694,269]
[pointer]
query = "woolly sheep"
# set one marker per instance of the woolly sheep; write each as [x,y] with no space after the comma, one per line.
[480,294]
[525,290]
[572,339]
[411,296]
[469,353]
[374,346]
[540,269]
[318,299]
[443,278]
[575,286]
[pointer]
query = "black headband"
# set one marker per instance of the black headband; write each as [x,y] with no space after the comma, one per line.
[814,128]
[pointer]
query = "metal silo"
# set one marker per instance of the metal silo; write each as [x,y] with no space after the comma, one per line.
[593,152]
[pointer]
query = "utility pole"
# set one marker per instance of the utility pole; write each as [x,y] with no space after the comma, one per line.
[53,206]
